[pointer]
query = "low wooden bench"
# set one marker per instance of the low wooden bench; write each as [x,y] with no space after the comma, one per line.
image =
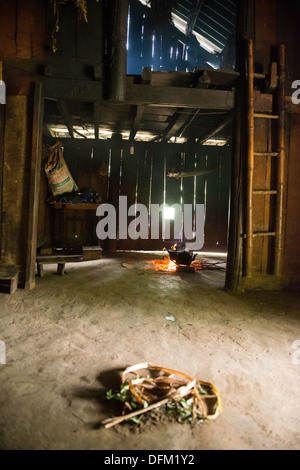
[9,279]
[60,260]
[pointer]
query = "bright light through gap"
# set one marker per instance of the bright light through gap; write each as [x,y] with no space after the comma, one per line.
[169,213]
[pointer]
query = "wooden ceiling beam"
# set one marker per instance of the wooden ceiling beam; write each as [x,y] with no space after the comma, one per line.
[141,95]
[179,97]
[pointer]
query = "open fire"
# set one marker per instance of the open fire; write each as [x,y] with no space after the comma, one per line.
[178,261]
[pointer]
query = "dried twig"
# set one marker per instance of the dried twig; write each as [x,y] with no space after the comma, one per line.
[113,421]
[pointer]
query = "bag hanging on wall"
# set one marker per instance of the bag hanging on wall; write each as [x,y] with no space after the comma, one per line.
[60,180]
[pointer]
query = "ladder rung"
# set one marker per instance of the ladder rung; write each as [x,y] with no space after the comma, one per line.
[265,191]
[257,75]
[266,154]
[266,116]
[264,234]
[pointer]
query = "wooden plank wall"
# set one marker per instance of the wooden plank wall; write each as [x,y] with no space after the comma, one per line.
[292,248]
[24,29]
[289,14]
[142,177]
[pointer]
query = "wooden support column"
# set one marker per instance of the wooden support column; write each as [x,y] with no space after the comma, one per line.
[250,165]
[281,164]
[117,52]
[235,241]
[34,189]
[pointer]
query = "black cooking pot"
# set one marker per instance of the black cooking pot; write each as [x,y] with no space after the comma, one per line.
[181,257]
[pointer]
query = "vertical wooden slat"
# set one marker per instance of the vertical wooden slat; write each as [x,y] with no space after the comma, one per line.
[158,187]
[250,166]
[281,163]
[35,173]
[224,183]
[114,181]
[211,197]
[188,185]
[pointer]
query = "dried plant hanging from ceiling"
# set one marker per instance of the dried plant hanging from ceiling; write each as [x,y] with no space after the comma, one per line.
[80,5]
[161,13]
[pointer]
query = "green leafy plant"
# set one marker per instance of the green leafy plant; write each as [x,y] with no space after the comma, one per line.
[125,396]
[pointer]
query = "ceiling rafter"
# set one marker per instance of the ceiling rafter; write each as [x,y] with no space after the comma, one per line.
[217,129]
[177,122]
[139,111]
[64,112]
[193,18]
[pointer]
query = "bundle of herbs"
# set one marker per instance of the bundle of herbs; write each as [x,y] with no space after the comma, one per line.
[146,387]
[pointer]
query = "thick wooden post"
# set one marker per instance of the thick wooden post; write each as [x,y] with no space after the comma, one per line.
[2,124]
[35,172]
[117,51]
[250,165]
[234,258]
[281,163]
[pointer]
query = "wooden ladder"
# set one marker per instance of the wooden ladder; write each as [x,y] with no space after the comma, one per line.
[252,155]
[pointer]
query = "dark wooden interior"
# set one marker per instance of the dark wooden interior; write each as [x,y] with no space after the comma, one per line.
[85,82]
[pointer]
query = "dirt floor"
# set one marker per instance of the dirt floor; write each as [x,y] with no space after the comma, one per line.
[68,339]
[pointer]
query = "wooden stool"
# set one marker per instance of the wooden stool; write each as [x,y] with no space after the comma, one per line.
[40,270]
[55,259]
[10,280]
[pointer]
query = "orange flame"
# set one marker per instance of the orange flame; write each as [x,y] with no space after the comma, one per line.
[165,265]
[172,266]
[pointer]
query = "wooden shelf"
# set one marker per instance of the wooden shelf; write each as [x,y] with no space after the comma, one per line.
[88,206]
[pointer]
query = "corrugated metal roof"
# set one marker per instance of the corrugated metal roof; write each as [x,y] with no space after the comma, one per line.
[216,19]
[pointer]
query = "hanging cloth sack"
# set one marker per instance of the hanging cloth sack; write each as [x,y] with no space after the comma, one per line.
[59,178]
